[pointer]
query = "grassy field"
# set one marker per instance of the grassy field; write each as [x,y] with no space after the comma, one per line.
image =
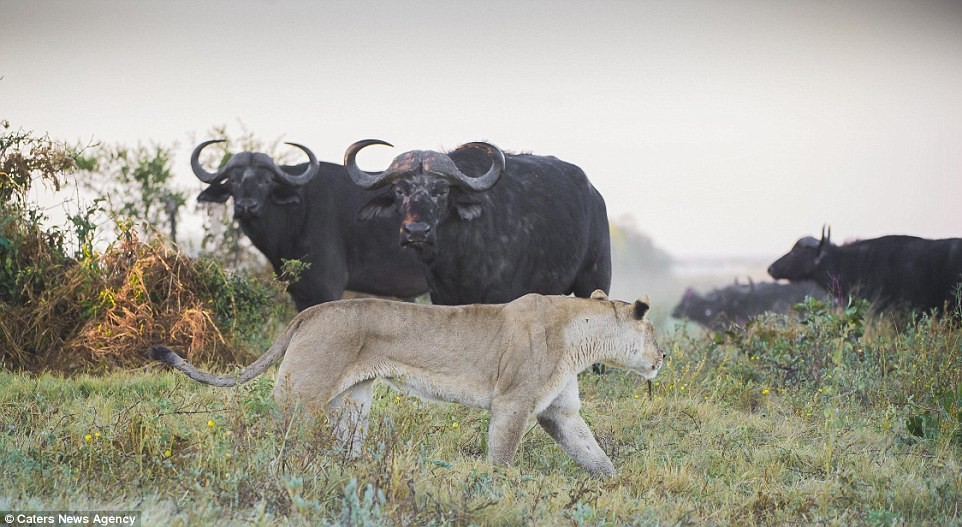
[829,419]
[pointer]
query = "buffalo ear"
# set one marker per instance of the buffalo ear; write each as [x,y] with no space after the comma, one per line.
[379,207]
[598,294]
[640,308]
[285,196]
[216,193]
[468,210]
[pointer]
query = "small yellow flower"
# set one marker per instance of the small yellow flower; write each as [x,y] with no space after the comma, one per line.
[765,391]
[397,400]
[167,453]
[210,424]
[96,434]
[88,438]
[454,425]
[636,396]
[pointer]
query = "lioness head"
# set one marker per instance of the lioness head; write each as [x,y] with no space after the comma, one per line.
[642,354]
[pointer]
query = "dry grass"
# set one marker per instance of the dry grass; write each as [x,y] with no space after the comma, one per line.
[99,314]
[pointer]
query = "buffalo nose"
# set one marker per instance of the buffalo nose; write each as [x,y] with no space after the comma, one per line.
[245,209]
[417,229]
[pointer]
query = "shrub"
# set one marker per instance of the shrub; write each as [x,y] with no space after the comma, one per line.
[84,310]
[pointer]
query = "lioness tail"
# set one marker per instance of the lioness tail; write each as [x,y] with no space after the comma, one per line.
[164,354]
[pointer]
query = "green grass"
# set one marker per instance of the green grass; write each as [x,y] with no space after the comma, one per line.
[833,420]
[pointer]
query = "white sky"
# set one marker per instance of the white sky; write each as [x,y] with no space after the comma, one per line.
[721,127]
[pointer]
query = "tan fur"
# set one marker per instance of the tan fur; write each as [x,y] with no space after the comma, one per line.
[517,360]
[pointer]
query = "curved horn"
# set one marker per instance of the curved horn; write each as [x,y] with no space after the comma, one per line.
[313,168]
[203,175]
[365,180]
[826,237]
[489,178]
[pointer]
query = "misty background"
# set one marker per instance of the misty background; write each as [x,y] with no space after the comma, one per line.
[723,131]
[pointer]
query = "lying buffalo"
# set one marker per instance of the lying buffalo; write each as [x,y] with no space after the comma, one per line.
[490,227]
[738,303]
[891,271]
[308,212]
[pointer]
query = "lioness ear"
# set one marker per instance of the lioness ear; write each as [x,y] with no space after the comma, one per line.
[640,308]
[598,294]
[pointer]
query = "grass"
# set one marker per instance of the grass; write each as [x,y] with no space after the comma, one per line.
[829,419]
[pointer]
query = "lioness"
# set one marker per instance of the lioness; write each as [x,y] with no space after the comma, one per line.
[516,360]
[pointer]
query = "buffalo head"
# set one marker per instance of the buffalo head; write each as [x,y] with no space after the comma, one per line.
[252,178]
[427,187]
[694,306]
[802,261]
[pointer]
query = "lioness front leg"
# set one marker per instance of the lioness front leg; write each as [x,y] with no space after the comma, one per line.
[563,422]
[505,431]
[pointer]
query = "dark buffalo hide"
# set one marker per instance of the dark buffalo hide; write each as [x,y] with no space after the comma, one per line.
[490,227]
[893,272]
[314,220]
[738,303]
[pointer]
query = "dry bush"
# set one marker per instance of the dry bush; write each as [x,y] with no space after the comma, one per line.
[66,307]
[104,313]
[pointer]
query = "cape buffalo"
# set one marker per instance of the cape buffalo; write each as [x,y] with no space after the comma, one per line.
[891,271]
[308,212]
[490,227]
[739,303]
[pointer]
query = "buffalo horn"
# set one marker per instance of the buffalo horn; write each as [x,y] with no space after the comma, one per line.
[296,180]
[203,175]
[489,178]
[365,180]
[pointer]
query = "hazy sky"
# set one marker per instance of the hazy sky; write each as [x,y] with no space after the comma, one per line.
[721,127]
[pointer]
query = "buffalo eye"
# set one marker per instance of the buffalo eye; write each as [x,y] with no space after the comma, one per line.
[439,191]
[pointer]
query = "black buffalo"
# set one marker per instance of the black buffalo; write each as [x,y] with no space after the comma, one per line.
[891,271]
[308,212]
[739,303]
[490,227]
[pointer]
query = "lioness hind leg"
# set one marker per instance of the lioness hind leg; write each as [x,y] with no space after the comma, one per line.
[564,423]
[349,413]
